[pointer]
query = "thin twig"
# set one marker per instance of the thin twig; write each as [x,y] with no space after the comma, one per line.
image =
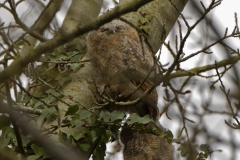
[226,93]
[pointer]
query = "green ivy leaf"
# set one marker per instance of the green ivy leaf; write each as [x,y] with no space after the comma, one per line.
[52,110]
[84,114]
[44,114]
[6,130]
[70,53]
[108,135]
[168,135]
[4,142]
[178,141]
[138,126]
[116,116]
[76,57]
[145,120]
[133,118]
[77,135]
[183,150]
[62,136]
[66,121]
[37,94]
[111,117]
[105,134]
[204,147]
[75,66]
[37,150]
[26,99]
[84,146]
[202,156]
[39,103]
[24,140]
[33,157]
[114,132]
[95,133]
[4,121]
[105,115]
[19,97]
[12,136]
[72,110]
[46,156]
[49,99]
[90,120]
[99,152]
[77,123]
[53,92]
[63,79]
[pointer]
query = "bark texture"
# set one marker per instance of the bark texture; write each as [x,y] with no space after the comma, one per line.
[156,19]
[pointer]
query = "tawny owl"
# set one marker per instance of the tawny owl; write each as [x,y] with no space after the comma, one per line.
[121,61]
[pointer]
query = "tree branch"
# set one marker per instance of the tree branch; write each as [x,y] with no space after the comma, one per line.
[177,74]
[15,127]
[22,25]
[60,152]
[4,109]
[48,46]
[197,70]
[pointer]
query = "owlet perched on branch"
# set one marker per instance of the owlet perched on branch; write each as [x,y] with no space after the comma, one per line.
[121,62]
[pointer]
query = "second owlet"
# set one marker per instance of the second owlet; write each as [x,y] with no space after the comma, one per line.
[121,62]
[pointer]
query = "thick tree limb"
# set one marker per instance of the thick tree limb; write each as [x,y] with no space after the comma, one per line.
[14,123]
[156,19]
[57,151]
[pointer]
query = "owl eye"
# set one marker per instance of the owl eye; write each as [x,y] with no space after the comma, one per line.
[118,28]
[104,29]
[108,30]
